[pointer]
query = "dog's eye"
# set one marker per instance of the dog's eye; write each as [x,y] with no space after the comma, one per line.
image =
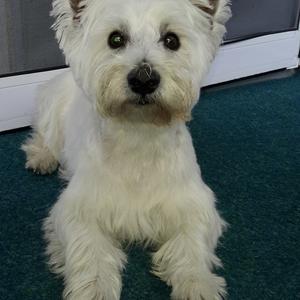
[116,40]
[171,41]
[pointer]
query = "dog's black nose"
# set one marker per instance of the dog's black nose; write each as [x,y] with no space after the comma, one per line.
[143,80]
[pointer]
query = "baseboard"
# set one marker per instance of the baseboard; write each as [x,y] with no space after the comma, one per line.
[255,56]
[234,61]
[17,96]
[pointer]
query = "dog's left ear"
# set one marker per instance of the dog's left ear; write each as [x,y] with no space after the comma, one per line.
[218,10]
[210,7]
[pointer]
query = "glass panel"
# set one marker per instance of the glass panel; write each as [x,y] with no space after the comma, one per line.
[26,40]
[258,17]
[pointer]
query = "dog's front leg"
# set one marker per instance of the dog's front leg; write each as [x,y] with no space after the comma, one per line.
[185,262]
[89,260]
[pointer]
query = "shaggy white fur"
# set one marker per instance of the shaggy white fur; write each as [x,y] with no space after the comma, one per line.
[132,170]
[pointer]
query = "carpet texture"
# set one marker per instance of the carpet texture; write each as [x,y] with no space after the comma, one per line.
[247,141]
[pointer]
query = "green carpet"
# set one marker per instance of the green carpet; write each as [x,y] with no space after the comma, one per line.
[247,141]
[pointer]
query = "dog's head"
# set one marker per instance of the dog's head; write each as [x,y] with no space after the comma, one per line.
[140,60]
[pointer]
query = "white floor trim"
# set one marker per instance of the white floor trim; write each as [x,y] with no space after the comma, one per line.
[255,56]
[234,61]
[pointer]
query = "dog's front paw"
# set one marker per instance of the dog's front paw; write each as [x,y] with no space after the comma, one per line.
[93,289]
[200,288]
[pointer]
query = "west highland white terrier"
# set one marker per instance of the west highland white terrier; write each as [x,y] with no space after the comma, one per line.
[115,123]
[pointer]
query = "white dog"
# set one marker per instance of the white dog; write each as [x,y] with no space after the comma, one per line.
[116,125]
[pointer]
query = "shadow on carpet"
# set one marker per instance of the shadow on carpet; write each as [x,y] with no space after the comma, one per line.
[247,141]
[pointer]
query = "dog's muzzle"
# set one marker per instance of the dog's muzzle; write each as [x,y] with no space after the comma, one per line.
[143,81]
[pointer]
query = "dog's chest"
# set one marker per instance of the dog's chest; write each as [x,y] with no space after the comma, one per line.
[139,189]
[135,200]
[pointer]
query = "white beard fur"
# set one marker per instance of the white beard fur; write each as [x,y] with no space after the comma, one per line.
[127,181]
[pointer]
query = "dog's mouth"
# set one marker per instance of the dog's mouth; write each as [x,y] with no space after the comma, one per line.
[143,101]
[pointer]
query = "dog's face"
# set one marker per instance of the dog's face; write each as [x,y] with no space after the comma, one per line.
[140,60]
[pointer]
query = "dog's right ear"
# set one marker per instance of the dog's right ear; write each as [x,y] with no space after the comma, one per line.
[77,7]
[64,10]
[67,14]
